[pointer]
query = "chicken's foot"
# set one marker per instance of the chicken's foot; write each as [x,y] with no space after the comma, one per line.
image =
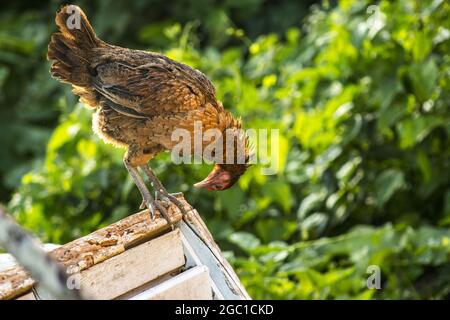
[161,192]
[147,199]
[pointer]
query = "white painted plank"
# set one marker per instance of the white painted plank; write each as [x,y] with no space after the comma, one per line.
[226,284]
[134,267]
[28,296]
[193,284]
[192,260]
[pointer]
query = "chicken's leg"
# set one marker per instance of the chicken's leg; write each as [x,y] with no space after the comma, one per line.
[161,192]
[147,198]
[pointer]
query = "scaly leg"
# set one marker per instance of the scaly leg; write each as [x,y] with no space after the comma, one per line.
[147,198]
[160,190]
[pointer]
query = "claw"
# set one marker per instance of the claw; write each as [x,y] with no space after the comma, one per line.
[161,192]
[151,208]
[152,205]
[164,213]
[176,194]
[164,195]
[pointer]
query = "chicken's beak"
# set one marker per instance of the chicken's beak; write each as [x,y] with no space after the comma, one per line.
[209,182]
[205,183]
[217,179]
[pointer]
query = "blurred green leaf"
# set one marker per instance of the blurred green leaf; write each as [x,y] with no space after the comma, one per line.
[387,183]
[244,240]
[414,130]
[423,77]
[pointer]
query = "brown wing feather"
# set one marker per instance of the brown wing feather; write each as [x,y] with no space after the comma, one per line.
[157,85]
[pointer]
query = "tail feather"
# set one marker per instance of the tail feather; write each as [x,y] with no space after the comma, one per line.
[73,23]
[72,48]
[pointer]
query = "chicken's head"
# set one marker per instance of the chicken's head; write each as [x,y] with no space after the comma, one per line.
[228,171]
[222,176]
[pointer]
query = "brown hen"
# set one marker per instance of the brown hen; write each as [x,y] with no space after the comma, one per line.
[140,99]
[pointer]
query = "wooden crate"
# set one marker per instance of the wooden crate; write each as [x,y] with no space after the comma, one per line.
[139,259]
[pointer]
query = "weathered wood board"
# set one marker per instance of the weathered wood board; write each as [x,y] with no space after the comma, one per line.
[133,268]
[193,284]
[93,249]
[129,270]
[139,259]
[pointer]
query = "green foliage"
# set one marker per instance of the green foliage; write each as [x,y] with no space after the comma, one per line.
[67,195]
[361,101]
[337,267]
